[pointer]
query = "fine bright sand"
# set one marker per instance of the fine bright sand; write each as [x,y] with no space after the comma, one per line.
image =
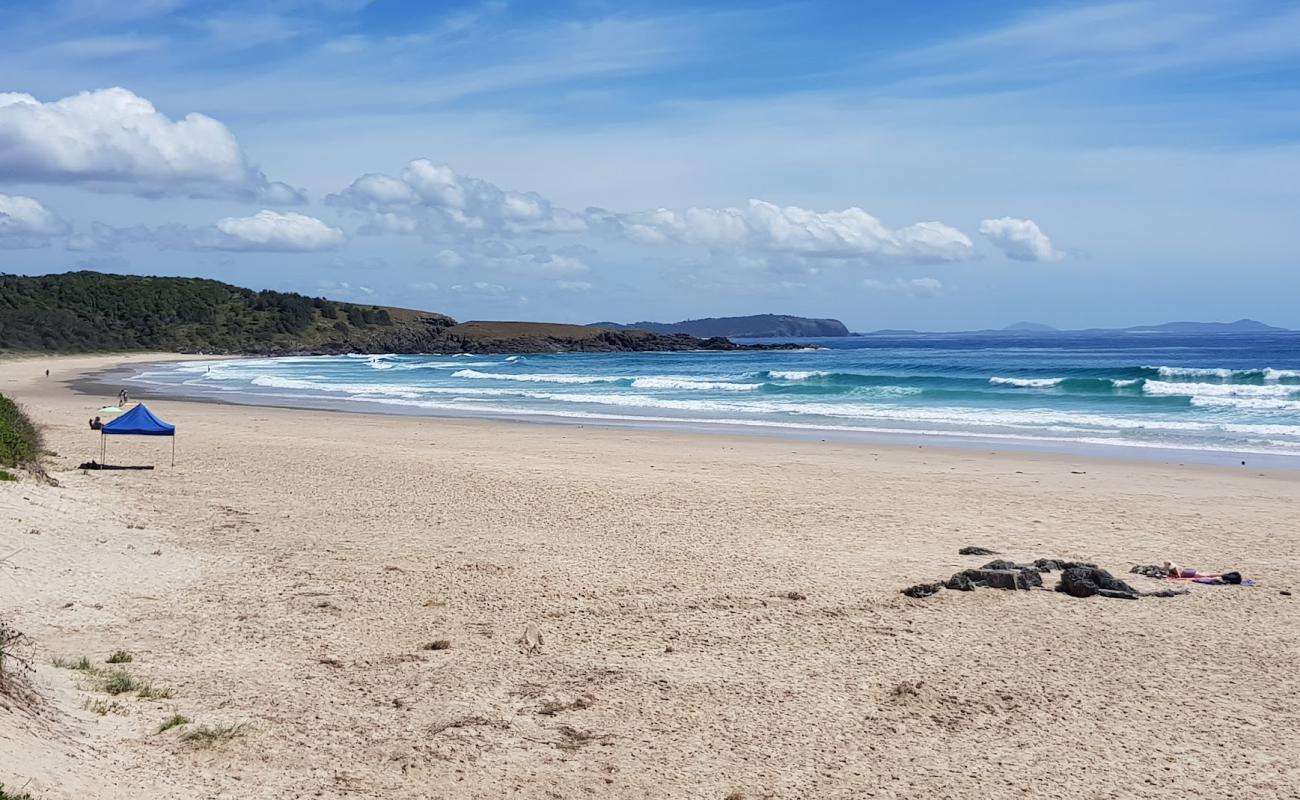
[719,616]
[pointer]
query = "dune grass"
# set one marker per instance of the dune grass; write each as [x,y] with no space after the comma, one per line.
[174,721]
[209,735]
[81,664]
[20,439]
[105,707]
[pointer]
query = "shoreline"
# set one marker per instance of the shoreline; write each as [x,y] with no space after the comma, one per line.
[106,379]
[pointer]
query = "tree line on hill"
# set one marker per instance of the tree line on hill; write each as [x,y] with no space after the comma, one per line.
[89,311]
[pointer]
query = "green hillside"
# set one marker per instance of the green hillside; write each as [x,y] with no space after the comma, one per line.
[82,312]
[90,311]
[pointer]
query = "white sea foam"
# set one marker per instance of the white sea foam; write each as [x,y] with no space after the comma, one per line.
[1219,389]
[1267,373]
[1026,383]
[535,378]
[1120,384]
[688,384]
[796,374]
[1276,446]
[1251,403]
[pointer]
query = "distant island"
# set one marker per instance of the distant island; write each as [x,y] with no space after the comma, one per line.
[756,326]
[96,312]
[1240,326]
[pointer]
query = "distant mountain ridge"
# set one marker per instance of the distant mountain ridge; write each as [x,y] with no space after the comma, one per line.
[755,326]
[1240,326]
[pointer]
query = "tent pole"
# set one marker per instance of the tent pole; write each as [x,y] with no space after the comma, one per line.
[173,449]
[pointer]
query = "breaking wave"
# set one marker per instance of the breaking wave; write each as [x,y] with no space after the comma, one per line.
[535,378]
[1026,383]
[686,384]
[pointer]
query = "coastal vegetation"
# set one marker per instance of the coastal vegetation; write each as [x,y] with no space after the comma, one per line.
[82,312]
[95,312]
[20,439]
[209,735]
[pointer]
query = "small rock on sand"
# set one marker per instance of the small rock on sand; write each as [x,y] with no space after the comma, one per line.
[532,639]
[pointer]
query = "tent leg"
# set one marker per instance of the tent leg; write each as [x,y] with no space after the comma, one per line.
[173,450]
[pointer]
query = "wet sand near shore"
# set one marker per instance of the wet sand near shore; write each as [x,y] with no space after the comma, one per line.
[719,615]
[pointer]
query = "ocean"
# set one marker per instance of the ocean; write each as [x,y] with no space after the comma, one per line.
[1225,394]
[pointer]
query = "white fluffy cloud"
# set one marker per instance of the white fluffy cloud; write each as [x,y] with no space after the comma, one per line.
[766,227]
[433,199]
[1020,239]
[24,222]
[113,139]
[272,231]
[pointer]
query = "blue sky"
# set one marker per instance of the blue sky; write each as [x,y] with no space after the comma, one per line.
[929,165]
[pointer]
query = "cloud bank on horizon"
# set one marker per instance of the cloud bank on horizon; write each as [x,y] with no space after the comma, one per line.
[1003,165]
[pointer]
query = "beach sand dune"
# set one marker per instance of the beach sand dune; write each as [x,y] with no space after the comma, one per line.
[719,616]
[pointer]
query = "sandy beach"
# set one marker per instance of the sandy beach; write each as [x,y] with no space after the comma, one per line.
[720,616]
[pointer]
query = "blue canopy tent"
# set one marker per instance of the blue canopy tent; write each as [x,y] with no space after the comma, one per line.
[139,421]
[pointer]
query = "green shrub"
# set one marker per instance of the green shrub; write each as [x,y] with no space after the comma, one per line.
[120,682]
[20,440]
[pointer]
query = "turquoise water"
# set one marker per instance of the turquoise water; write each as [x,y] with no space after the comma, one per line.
[1226,393]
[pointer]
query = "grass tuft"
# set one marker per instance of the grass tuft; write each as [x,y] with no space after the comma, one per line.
[150,692]
[174,721]
[82,664]
[7,795]
[437,644]
[120,657]
[105,707]
[120,682]
[209,735]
